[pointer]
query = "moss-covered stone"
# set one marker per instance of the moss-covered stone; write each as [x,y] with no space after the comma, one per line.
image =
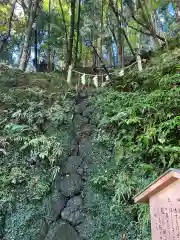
[62,231]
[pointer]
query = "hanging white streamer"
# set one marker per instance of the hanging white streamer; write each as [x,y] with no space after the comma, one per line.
[107,78]
[95,81]
[83,79]
[121,73]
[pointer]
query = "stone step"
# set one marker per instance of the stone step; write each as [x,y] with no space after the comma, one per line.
[71,165]
[70,185]
[62,231]
[72,213]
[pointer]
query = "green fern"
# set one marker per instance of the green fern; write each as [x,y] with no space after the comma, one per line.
[44,148]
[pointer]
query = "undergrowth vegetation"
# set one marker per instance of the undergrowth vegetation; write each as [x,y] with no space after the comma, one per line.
[136,137]
[35,133]
[138,122]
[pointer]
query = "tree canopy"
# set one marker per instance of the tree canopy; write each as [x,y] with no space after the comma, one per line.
[57,30]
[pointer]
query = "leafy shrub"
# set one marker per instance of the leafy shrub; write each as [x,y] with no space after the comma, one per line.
[35,129]
[43,147]
[140,117]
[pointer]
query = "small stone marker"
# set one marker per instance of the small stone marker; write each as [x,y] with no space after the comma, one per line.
[163,196]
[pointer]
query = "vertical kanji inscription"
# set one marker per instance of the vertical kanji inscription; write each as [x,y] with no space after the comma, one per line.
[165,213]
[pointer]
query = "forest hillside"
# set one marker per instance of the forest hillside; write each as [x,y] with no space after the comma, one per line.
[89,115]
[129,136]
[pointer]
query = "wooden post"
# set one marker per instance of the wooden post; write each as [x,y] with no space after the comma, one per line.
[69,77]
[102,79]
[139,63]
[123,236]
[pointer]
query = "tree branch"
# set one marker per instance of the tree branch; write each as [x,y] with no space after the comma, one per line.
[118,13]
[5,38]
[65,27]
[122,30]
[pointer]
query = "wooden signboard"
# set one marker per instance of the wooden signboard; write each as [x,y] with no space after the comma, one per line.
[163,196]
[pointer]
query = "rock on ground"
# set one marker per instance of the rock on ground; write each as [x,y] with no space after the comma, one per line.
[85,147]
[54,204]
[83,228]
[72,213]
[72,164]
[79,109]
[70,185]
[62,231]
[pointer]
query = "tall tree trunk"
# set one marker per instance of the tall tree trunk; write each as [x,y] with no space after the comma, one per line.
[111,4]
[22,40]
[28,36]
[110,57]
[99,51]
[71,36]
[94,57]
[20,53]
[65,26]
[122,38]
[49,38]
[78,32]
[5,39]
[150,21]
[101,38]
[35,47]
[81,48]
[178,11]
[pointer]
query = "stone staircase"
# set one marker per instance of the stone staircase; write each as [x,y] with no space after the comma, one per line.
[69,218]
